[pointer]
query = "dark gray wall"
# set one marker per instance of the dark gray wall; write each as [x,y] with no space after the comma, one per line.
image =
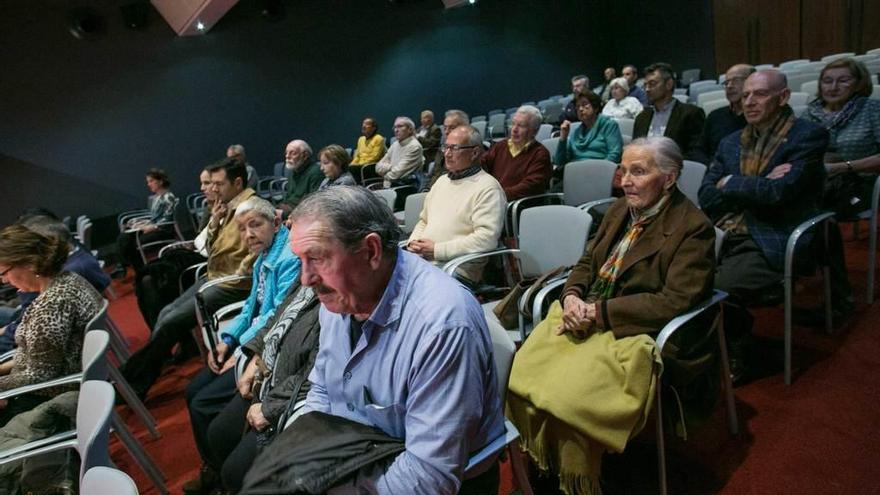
[83,120]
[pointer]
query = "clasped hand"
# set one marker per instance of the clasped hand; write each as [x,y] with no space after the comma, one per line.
[578,317]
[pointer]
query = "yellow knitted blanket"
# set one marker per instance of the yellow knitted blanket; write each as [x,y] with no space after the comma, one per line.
[573,399]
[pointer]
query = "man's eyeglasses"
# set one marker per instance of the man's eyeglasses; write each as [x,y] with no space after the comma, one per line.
[455,147]
[731,81]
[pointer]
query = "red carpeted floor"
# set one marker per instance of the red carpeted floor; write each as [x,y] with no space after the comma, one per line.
[818,436]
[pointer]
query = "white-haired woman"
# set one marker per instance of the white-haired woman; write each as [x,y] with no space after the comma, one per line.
[651,260]
[620,105]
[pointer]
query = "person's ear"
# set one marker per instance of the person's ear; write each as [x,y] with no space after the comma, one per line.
[373,249]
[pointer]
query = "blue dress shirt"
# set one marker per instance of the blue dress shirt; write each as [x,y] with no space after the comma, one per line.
[422,370]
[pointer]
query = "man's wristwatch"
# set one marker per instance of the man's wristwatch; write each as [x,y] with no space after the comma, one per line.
[849,166]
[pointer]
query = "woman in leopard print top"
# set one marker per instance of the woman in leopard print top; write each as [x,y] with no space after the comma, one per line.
[50,335]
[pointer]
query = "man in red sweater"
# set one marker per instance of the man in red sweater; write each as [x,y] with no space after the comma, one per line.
[519,163]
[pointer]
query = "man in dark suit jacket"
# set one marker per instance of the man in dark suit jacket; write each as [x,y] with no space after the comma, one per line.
[764,181]
[666,116]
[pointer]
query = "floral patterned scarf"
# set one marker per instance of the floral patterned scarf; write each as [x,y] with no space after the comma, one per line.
[603,286]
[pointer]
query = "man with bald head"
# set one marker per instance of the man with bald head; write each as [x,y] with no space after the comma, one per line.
[723,121]
[764,181]
[464,211]
[304,174]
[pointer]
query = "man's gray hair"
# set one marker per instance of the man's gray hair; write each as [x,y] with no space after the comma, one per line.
[474,136]
[48,227]
[620,82]
[237,149]
[578,77]
[459,115]
[406,121]
[534,115]
[304,146]
[258,205]
[351,213]
[667,154]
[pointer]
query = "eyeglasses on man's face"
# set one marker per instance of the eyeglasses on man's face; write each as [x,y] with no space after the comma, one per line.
[456,147]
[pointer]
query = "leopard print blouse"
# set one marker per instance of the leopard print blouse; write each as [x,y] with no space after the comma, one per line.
[50,335]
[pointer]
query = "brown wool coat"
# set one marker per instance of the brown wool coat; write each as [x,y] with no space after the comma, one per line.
[667,271]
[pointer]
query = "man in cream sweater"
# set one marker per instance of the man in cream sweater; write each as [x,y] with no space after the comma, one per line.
[464,211]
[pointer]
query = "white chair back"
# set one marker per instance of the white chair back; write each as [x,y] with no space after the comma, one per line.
[810,88]
[587,180]
[387,195]
[690,179]
[93,411]
[544,132]
[798,98]
[626,126]
[503,349]
[552,236]
[711,106]
[412,209]
[103,480]
[711,96]
[551,144]
[480,126]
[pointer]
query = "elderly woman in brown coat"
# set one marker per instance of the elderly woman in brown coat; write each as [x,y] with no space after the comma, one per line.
[578,385]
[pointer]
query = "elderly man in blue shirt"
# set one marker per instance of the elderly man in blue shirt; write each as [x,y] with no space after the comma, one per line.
[403,347]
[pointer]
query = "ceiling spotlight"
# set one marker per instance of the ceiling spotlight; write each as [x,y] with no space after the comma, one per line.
[200,26]
[472,2]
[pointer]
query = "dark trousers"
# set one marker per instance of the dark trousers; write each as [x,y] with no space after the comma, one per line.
[232,448]
[19,404]
[746,275]
[175,323]
[206,395]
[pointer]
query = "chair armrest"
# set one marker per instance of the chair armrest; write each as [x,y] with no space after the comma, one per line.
[453,264]
[29,449]
[64,380]
[593,204]
[228,279]
[491,451]
[514,206]
[674,324]
[228,310]
[52,447]
[542,294]
[176,245]
[796,236]
[6,356]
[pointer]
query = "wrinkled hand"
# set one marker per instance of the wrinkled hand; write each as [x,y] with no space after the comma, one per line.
[422,247]
[255,417]
[578,317]
[779,171]
[217,361]
[246,380]
[564,128]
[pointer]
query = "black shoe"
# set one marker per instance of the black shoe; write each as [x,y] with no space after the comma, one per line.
[206,482]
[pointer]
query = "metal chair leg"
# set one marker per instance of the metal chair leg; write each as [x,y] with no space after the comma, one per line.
[826,282]
[138,453]
[787,337]
[732,420]
[661,441]
[872,256]
[133,401]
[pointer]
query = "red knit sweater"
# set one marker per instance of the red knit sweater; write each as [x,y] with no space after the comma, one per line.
[527,174]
